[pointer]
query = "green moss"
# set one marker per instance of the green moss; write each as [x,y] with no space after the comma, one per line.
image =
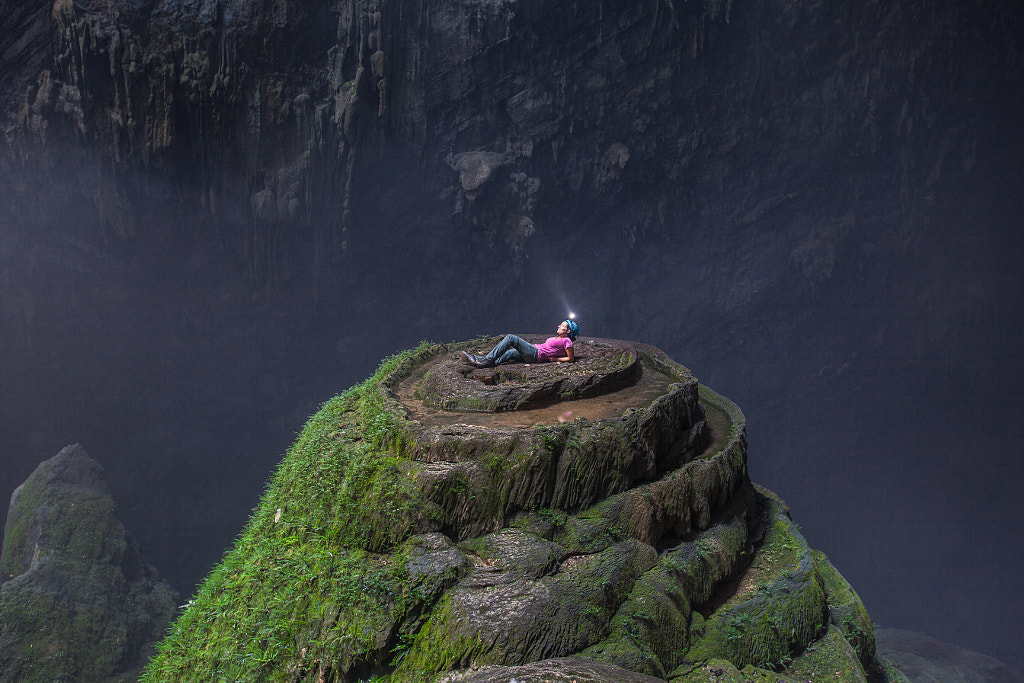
[723,671]
[846,610]
[61,638]
[381,422]
[321,585]
[440,647]
[650,631]
[88,531]
[303,588]
[830,658]
[82,534]
[554,616]
[516,552]
[778,606]
[733,415]
[589,532]
[777,615]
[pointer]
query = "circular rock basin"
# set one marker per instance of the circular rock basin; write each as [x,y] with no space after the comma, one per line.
[608,378]
[558,435]
[601,366]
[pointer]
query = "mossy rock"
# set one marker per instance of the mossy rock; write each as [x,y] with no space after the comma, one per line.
[82,605]
[650,632]
[499,618]
[830,658]
[476,479]
[386,547]
[724,671]
[846,610]
[64,509]
[517,552]
[777,606]
[567,669]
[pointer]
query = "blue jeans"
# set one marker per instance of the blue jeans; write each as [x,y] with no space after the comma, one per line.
[512,349]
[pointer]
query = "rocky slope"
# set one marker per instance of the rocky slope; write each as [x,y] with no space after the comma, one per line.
[631,547]
[78,603]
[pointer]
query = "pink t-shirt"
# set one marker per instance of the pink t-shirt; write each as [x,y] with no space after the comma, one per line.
[553,347]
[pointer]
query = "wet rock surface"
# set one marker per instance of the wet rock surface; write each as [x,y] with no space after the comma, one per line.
[570,464]
[569,669]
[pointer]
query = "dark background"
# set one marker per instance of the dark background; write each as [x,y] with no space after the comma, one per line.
[820,216]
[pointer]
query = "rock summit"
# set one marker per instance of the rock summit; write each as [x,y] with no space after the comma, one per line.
[591,521]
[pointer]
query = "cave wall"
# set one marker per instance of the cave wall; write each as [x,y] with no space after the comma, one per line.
[276,121]
[216,214]
[755,146]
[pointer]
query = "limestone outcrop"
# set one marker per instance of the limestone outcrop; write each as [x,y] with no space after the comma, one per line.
[409,542]
[79,603]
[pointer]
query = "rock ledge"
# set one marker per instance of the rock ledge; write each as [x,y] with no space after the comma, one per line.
[601,366]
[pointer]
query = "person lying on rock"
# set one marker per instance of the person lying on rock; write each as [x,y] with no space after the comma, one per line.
[513,349]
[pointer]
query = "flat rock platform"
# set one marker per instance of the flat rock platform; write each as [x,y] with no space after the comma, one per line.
[601,366]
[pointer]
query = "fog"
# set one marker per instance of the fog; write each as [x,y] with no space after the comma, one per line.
[889,424]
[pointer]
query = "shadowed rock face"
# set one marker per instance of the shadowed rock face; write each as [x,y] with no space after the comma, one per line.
[631,547]
[278,127]
[79,602]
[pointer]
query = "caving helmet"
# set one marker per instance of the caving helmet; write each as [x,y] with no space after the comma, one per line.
[574,328]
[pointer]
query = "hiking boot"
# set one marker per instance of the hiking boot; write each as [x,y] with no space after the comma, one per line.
[477,361]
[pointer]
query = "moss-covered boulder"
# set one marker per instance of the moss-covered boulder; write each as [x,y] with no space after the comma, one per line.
[607,537]
[79,603]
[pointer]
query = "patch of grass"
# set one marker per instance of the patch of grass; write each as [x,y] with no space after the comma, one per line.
[304,588]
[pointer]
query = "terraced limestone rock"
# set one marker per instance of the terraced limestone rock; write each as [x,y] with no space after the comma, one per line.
[450,383]
[591,521]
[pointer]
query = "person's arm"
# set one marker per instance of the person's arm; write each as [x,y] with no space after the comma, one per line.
[568,357]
